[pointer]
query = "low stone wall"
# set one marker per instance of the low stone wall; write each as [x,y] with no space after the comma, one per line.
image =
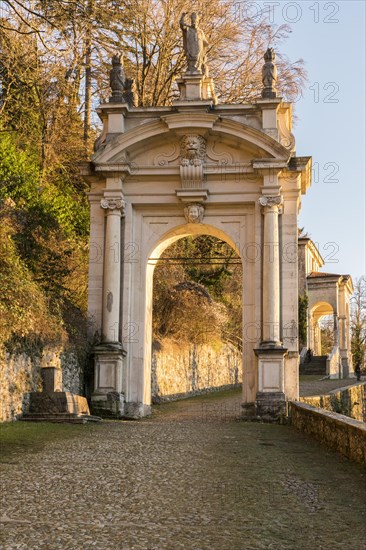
[182,371]
[20,375]
[337,431]
[350,401]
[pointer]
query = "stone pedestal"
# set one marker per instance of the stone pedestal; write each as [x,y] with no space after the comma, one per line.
[270,402]
[347,372]
[271,407]
[55,405]
[196,87]
[107,398]
[51,379]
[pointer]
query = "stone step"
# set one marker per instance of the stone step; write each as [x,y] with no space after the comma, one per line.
[317,365]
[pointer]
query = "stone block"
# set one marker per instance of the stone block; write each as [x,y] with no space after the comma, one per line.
[51,379]
[57,402]
[271,406]
[108,405]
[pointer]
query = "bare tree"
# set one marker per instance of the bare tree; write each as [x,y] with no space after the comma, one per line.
[148,34]
[358,323]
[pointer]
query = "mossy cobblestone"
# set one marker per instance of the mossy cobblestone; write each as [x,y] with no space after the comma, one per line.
[189,477]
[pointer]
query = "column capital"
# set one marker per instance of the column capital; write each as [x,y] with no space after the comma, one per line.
[271,202]
[113,204]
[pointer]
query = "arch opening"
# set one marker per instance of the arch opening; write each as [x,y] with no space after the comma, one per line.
[194,313]
[323,328]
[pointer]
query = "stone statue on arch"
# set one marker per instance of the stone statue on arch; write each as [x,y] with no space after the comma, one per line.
[195,45]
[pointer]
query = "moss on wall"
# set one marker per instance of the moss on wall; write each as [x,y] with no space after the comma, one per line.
[350,401]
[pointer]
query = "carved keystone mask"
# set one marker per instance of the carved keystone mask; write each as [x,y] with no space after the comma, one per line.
[194,213]
[193,147]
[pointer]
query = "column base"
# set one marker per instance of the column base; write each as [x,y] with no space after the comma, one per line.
[268,407]
[108,405]
[135,411]
[271,407]
[107,398]
[347,369]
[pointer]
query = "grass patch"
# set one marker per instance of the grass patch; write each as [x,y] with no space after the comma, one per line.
[310,377]
[17,438]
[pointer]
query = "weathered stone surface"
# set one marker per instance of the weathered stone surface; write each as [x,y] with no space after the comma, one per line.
[337,431]
[178,371]
[57,402]
[191,478]
[20,374]
[350,401]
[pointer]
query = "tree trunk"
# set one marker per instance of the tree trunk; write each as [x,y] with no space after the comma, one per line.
[88,75]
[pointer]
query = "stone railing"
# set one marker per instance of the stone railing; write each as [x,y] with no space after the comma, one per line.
[334,363]
[342,434]
[349,401]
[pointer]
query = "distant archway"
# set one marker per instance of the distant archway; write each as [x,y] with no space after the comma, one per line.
[323,328]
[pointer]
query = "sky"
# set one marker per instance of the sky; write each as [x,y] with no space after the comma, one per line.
[330,37]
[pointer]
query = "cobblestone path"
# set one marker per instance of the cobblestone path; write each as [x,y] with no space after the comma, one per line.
[191,477]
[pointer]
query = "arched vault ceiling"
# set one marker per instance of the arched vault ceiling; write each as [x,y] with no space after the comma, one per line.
[157,142]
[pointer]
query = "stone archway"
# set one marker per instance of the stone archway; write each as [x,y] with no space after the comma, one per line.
[317,313]
[195,167]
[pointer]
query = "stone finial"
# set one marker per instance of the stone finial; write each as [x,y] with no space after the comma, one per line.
[117,79]
[123,89]
[269,75]
[130,94]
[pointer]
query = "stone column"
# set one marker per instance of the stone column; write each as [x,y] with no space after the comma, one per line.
[271,272]
[108,395]
[342,330]
[112,269]
[270,401]
[317,339]
[336,329]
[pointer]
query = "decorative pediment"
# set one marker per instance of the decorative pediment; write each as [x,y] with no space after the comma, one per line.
[160,140]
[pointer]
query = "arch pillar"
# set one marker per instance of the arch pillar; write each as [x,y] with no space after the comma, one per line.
[271,399]
[107,397]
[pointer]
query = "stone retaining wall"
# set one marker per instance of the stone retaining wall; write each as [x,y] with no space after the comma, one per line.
[337,431]
[350,401]
[182,371]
